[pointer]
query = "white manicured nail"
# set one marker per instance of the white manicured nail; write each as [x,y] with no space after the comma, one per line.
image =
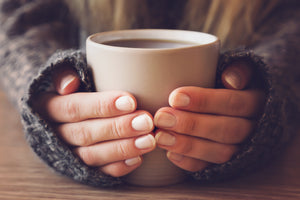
[125,103]
[133,161]
[145,142]
[142,123]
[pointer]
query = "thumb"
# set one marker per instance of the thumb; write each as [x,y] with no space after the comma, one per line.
[237,75]
[66,81]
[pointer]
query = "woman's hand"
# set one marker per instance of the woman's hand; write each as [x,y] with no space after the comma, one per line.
[104,128]
[204,125]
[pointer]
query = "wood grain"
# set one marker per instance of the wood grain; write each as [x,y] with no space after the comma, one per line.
[23,176]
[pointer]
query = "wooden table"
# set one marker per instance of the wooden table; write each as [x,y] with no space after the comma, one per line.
[24,176]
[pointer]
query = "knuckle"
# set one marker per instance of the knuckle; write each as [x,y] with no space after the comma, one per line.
[82,136]
[202,102]
[197,166]
[185,148]
[87,156]
[240,131]
[189,125]
[223,127]
[71,110]
[114,170]
[117,129]
[225,154]
[236,104]
[236,132]
[122,150]
[228,132]
[102,109]
[99,109]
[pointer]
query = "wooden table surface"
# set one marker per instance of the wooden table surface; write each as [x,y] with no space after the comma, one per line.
[24,176]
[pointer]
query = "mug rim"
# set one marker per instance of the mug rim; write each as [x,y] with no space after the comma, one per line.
[197,39]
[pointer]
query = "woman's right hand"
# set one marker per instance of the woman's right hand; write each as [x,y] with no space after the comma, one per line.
[104,128]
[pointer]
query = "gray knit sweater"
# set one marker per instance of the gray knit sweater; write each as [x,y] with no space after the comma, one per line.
[36,36]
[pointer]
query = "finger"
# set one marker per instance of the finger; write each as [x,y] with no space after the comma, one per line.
[245,103]
[117,150]
[222,129]
[187,163]
[196,148]
[66,80]
[122,168]
[93,131]
[81,106]
[237,76]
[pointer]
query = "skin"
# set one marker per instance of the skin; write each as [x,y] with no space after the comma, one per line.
[201,125]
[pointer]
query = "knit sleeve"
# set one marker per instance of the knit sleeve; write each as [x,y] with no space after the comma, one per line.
[275,58]
[30,32]
[40,134]
[34,36]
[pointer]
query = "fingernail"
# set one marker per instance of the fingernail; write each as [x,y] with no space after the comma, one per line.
[165,120]
[233,79]
[165,139]
[133,161]
[145,142]
[179,99]
[174,156]
[142,123]
[66,81]
[125,103]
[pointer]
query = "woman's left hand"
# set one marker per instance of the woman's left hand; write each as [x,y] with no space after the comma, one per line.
[204,125]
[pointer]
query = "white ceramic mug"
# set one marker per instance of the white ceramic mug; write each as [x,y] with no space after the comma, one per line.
[150,64]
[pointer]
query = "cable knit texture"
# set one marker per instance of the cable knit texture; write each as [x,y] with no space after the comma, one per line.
[32,31]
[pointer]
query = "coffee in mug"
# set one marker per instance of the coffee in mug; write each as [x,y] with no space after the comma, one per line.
[148,43]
